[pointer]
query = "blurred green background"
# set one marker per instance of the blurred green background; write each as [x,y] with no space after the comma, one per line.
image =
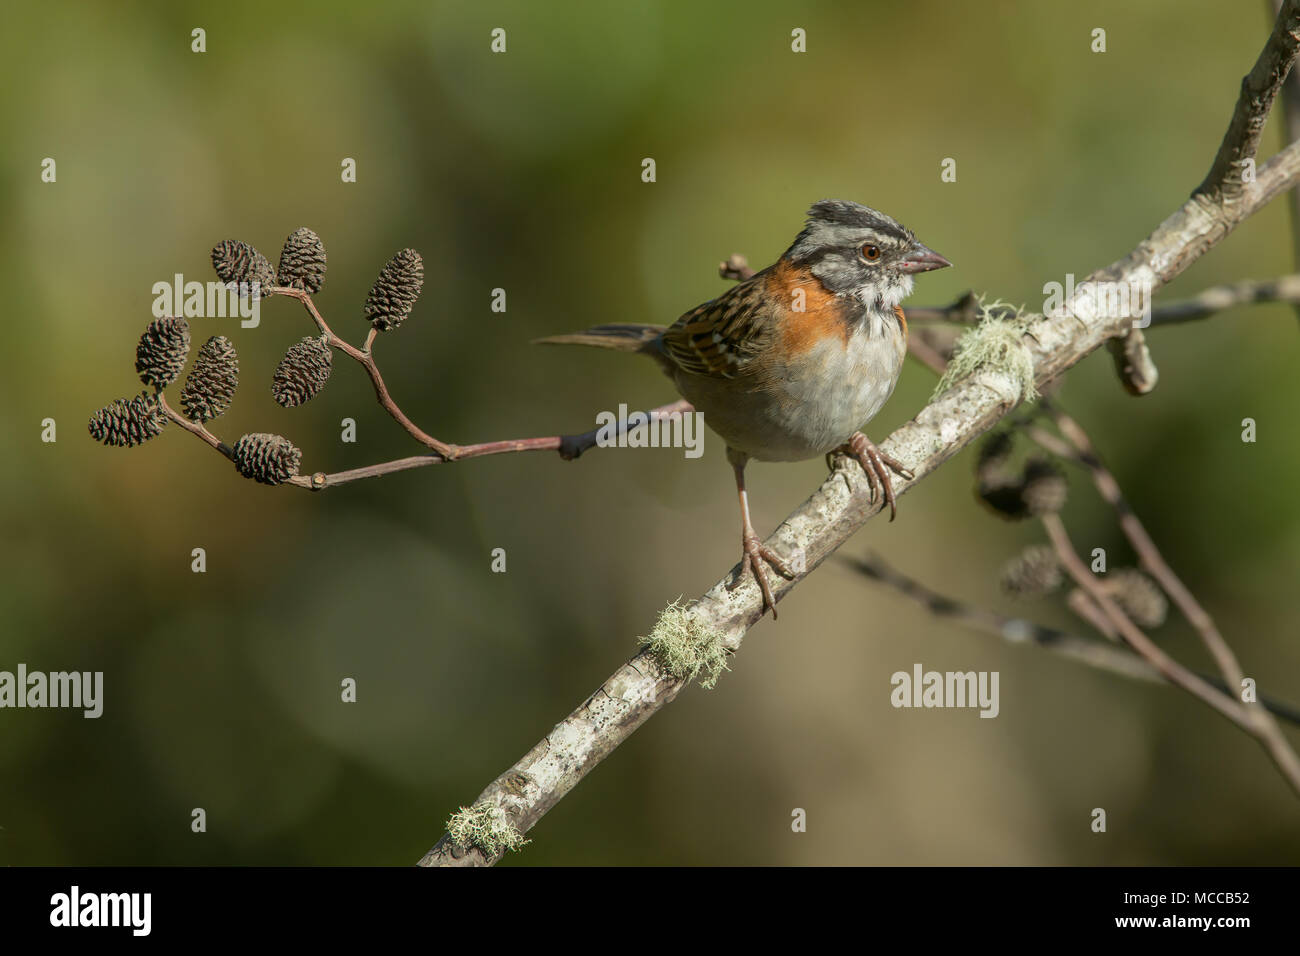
[522,171]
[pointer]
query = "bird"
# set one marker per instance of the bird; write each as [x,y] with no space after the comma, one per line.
[790,363]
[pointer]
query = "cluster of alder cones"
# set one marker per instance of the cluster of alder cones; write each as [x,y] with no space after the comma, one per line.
[209,388]
[1039,488]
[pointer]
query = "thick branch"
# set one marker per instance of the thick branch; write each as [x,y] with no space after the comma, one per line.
[1258,90]
[1291,127]
[827,519]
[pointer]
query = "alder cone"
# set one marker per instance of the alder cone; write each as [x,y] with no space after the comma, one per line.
[395,291]
[236,261]
[210,386]
[161,353]
[302,261]
[1034,572]
[270,459]
[128,422]
[1138,596]
[303,372]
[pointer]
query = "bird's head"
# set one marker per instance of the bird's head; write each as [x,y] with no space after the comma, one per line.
[855,250]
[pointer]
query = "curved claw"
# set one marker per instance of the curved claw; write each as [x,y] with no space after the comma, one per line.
[877,465]
[756,555]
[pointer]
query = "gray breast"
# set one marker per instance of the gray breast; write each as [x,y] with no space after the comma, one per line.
[797,414]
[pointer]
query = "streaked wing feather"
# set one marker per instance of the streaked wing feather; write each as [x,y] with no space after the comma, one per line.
[723,335]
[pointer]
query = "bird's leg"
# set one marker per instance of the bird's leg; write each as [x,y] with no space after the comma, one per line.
[877,465]
[755,552]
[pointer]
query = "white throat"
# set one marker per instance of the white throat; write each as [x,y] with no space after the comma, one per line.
[887,296]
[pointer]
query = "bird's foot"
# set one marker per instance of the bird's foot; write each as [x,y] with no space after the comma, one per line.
[756,556]
[877,465]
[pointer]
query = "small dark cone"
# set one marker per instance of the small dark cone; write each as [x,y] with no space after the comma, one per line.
[128,422]
[302,372]
[1004,499]
[1043,487]
[236,261]
[994,453]
[210,386]
[1033,573]
[394,293]
[270,459]
[160,356]
[302,261]
[1138,596]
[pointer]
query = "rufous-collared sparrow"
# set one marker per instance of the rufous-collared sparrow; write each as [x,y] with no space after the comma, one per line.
[789,363]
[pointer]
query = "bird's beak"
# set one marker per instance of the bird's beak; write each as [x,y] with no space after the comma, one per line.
[921,259]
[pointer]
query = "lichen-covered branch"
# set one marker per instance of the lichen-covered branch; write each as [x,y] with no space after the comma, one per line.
[951,421]
[1207,302]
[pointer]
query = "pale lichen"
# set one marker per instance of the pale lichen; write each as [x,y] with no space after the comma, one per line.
[995,343]
[485,826]
[685,647]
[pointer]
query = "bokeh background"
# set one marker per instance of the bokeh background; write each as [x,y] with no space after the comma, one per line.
[522,171]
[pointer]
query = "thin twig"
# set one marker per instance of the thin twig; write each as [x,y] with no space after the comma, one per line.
[1081,449]
[569,447]
[920,349]
[194,428]
[1015,630]
[1226,704]
[1222,297]
[367,360]
[1204,304]
[1082,605]
[1172,670]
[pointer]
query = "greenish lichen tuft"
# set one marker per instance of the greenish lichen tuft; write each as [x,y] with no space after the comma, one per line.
[685,648]
[485,826]
[996,342]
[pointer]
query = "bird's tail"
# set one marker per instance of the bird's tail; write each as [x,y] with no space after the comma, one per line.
[621,337]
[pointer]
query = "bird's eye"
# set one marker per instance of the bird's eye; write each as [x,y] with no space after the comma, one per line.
[870,253]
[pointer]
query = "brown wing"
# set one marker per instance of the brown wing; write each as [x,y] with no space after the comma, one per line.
[723,335]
